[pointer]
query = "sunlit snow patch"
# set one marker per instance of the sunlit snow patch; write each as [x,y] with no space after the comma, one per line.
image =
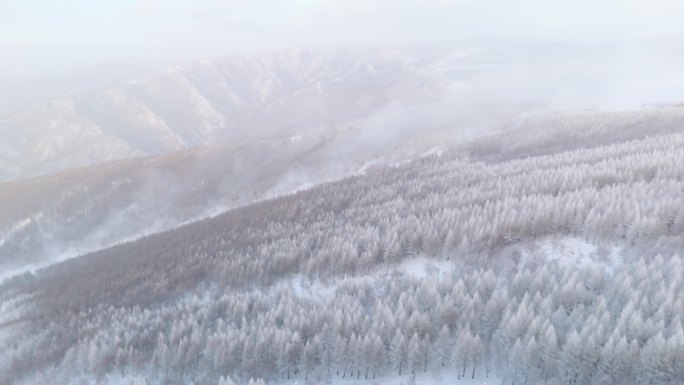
[576,251]
[421,267]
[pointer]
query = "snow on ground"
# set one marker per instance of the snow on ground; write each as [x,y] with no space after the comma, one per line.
[367,165]
[569,250]
[418,267]
[303,187]
[421,267]
[434,151]
[304,287]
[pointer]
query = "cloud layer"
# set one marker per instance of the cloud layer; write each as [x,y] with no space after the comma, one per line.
[43,33]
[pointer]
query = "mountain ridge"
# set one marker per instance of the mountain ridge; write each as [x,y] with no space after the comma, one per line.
[205,102]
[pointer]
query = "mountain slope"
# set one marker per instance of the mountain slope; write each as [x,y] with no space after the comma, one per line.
[212,101]
[60,216]
[302,287]
[302,91]
[25,89]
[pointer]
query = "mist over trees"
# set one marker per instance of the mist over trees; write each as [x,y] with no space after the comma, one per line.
[55,217]
[313,286]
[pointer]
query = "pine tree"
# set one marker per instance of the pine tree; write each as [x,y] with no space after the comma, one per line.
[398,351]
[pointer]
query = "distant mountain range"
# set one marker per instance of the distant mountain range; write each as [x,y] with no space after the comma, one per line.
[211,101]
[382,92]
[116,113]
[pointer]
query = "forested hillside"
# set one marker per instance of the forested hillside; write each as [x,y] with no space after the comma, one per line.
[463,264]
[56,217]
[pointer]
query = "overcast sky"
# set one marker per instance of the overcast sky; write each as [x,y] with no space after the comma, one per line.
[45,33]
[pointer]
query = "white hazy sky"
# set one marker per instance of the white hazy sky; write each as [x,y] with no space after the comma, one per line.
[45,33]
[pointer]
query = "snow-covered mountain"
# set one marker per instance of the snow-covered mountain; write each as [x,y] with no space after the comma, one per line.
[21,90]
[211,101]
[56,217]
[555,260]
[382,92]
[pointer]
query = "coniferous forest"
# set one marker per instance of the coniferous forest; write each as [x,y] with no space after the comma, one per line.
[513,259]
